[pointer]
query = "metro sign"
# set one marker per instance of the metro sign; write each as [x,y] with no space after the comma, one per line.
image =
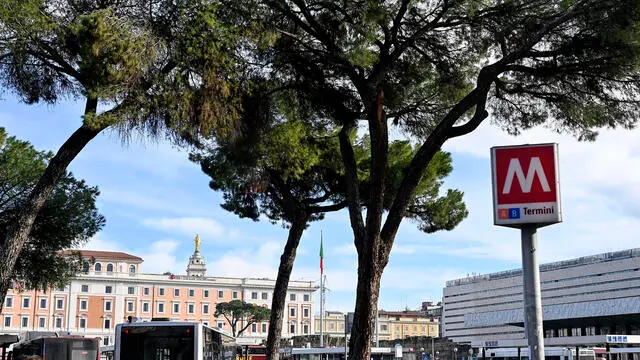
[526,188]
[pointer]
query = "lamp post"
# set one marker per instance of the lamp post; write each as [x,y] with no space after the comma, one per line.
[433,349]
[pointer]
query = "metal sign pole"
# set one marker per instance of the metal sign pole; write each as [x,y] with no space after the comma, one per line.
[532,297]
[526,195]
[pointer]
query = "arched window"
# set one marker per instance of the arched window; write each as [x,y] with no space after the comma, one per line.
[98,267]
[132,269]
[110,268]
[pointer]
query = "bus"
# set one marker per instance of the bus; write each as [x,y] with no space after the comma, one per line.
[172,340]
[550,353]
[252,352]
[58,348]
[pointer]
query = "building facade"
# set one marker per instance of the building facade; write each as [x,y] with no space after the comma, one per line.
[112,288]
[582,297]
[391,325]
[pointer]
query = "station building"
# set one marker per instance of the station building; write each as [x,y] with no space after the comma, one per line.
[113,287]
[585,301]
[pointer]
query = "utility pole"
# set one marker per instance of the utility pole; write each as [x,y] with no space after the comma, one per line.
[346,333]
[322,310]
[377,330]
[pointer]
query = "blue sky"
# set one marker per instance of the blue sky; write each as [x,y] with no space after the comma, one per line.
[155,201]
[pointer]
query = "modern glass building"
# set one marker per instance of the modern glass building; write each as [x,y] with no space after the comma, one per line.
[588,296]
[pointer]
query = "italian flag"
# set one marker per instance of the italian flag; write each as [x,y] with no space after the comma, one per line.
[321,256]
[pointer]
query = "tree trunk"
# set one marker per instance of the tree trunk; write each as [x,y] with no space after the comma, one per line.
[18,231]
[369,275]
[282,283]
[372,252]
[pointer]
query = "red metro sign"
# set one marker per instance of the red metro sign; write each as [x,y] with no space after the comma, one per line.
[526,188]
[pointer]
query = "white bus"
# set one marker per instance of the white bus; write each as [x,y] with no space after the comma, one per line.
[169,340]
[550,353]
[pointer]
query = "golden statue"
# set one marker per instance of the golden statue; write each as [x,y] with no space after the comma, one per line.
[197,241]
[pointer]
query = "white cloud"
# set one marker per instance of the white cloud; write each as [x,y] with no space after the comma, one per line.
[97,243]
[207,228]
[248,262]
[155,157]
[160,257]
[346,249]
[151,200]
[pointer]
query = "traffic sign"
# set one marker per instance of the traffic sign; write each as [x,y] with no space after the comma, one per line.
[526,187]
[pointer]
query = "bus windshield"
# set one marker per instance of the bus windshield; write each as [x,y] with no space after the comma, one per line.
[157,342]
[72,349]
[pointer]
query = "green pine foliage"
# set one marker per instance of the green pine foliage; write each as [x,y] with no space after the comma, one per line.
[68,219]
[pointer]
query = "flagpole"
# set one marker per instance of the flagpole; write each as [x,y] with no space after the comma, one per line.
[321,293]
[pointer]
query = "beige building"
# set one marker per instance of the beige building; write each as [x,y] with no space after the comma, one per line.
[392,325]
[112,287]
[333,323]
[402,324]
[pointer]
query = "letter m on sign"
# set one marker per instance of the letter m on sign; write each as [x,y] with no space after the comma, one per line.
[526,182]
[525,174]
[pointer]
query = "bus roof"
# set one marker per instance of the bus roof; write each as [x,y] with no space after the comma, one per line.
[161,323]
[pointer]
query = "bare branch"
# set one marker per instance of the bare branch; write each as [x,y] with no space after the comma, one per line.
[353,192]
[479,115]
[328,208]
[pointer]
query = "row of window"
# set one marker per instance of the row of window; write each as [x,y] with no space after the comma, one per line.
[24,321]
[190,292]
[131,290]
[175,307]
[130,306]
[493,289]
[26,302]
[586,292]
[82,324]
[109,268]
[592,330]
[292,297]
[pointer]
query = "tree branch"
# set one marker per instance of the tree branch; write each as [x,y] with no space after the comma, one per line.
[68,69]
[399,50]
[328,208]
[249,322]
[353,185]
[397,21]
[426,152]
[479,115]
[443,131]
[320,199]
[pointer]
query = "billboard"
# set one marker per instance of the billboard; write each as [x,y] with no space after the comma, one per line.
[526,187]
